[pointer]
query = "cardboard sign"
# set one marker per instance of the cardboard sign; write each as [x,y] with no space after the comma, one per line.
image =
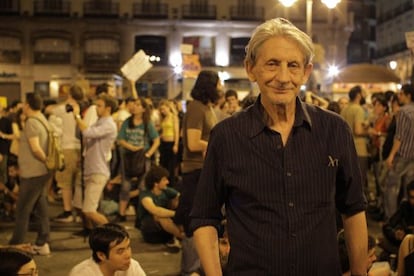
[137,66]
[409,39]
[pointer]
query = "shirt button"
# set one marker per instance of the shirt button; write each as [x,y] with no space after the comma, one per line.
[291,205]
[289,174]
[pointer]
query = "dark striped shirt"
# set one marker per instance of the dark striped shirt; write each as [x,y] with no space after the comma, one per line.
[280,200]
[405,131]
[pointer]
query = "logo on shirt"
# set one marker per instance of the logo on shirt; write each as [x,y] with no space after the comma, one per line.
[333,162]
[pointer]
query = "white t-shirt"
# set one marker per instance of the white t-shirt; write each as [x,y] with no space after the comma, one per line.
[89,267]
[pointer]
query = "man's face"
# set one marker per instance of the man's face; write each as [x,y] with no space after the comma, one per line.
[279,71]
[343,102]
[101,109]
[119,257]
[162,185]
[233,103]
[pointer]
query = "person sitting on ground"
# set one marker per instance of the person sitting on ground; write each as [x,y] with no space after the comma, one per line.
[344,259]
[400,224]
[15,262]
[406,256]
[156,208]
[111,254]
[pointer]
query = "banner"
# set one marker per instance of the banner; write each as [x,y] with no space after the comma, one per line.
[191,66]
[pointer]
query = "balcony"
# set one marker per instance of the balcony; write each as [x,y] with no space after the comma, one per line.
[199,12]
[10,56]
[41,57]
[51,8]
[102,63]
[150,11]
[105,9]
[247,13]
[9,7]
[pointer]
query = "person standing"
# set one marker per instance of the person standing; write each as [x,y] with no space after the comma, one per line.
[197,124]
[34,176]
[281,167]
[400,161]
[354,115]
[99,139]
[70,177]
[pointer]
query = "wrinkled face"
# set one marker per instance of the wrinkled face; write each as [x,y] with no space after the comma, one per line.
[28,269]
[279,71]
[119,257]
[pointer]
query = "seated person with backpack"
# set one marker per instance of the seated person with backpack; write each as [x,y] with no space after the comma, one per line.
[156,208]
[400,224]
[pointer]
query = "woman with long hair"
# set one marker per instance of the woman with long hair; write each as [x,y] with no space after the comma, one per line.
[170,136]
[137,133]
[197,124]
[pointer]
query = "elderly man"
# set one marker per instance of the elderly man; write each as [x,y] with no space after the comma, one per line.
[281,167]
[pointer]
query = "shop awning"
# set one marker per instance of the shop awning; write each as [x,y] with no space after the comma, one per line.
[366,73]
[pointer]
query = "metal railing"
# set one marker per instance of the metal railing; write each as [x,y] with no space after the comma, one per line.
[249,13]
[9,7]
[95,8]
[51,7]
[41,57]
[199,12]
[148,10]
[10,56]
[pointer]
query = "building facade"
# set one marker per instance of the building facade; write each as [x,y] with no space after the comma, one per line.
[394,19]
[47,45]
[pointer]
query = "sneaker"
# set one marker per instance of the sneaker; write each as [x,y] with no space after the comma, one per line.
[41,250]
[82,233]
[174,245]
[65,217]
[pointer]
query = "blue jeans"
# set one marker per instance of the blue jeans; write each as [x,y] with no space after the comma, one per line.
[32,197]
[398,177]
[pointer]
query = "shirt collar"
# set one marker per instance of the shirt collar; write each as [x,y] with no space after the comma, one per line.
[258,122]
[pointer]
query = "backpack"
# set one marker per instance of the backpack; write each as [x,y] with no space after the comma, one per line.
[54,157]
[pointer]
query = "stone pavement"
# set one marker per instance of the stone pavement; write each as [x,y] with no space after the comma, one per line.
[67,251]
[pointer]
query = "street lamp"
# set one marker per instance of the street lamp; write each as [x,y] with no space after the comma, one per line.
[329,3]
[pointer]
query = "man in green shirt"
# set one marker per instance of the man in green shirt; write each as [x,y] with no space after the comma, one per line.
[157,204]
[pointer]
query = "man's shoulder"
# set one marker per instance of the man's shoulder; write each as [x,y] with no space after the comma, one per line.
[134,269]
[85,268]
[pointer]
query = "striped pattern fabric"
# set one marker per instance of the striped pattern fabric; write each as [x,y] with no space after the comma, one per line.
[405,131]
[280,199]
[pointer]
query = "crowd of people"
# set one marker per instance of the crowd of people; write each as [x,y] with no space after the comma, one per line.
[252,187]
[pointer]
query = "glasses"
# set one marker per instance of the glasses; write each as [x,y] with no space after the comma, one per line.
[33,272]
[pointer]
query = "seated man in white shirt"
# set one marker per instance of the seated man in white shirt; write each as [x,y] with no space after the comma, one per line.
[111,254]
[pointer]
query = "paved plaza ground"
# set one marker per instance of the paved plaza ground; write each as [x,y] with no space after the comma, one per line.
[68,251]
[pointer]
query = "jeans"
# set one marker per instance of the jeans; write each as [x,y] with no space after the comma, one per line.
[190,261]
[398,177]
[32,197]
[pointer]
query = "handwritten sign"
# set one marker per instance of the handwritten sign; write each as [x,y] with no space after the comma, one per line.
[137,66]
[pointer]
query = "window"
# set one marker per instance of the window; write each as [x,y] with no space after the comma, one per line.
[155,46]
[237,50]
[204,47]
[10,49]
[52,51]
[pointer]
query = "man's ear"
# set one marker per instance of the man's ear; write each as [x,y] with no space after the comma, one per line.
[101,256]
[249,70]
[308,71]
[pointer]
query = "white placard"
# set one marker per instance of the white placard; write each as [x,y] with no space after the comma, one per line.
[186,49]
[409,39]
[134,68]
